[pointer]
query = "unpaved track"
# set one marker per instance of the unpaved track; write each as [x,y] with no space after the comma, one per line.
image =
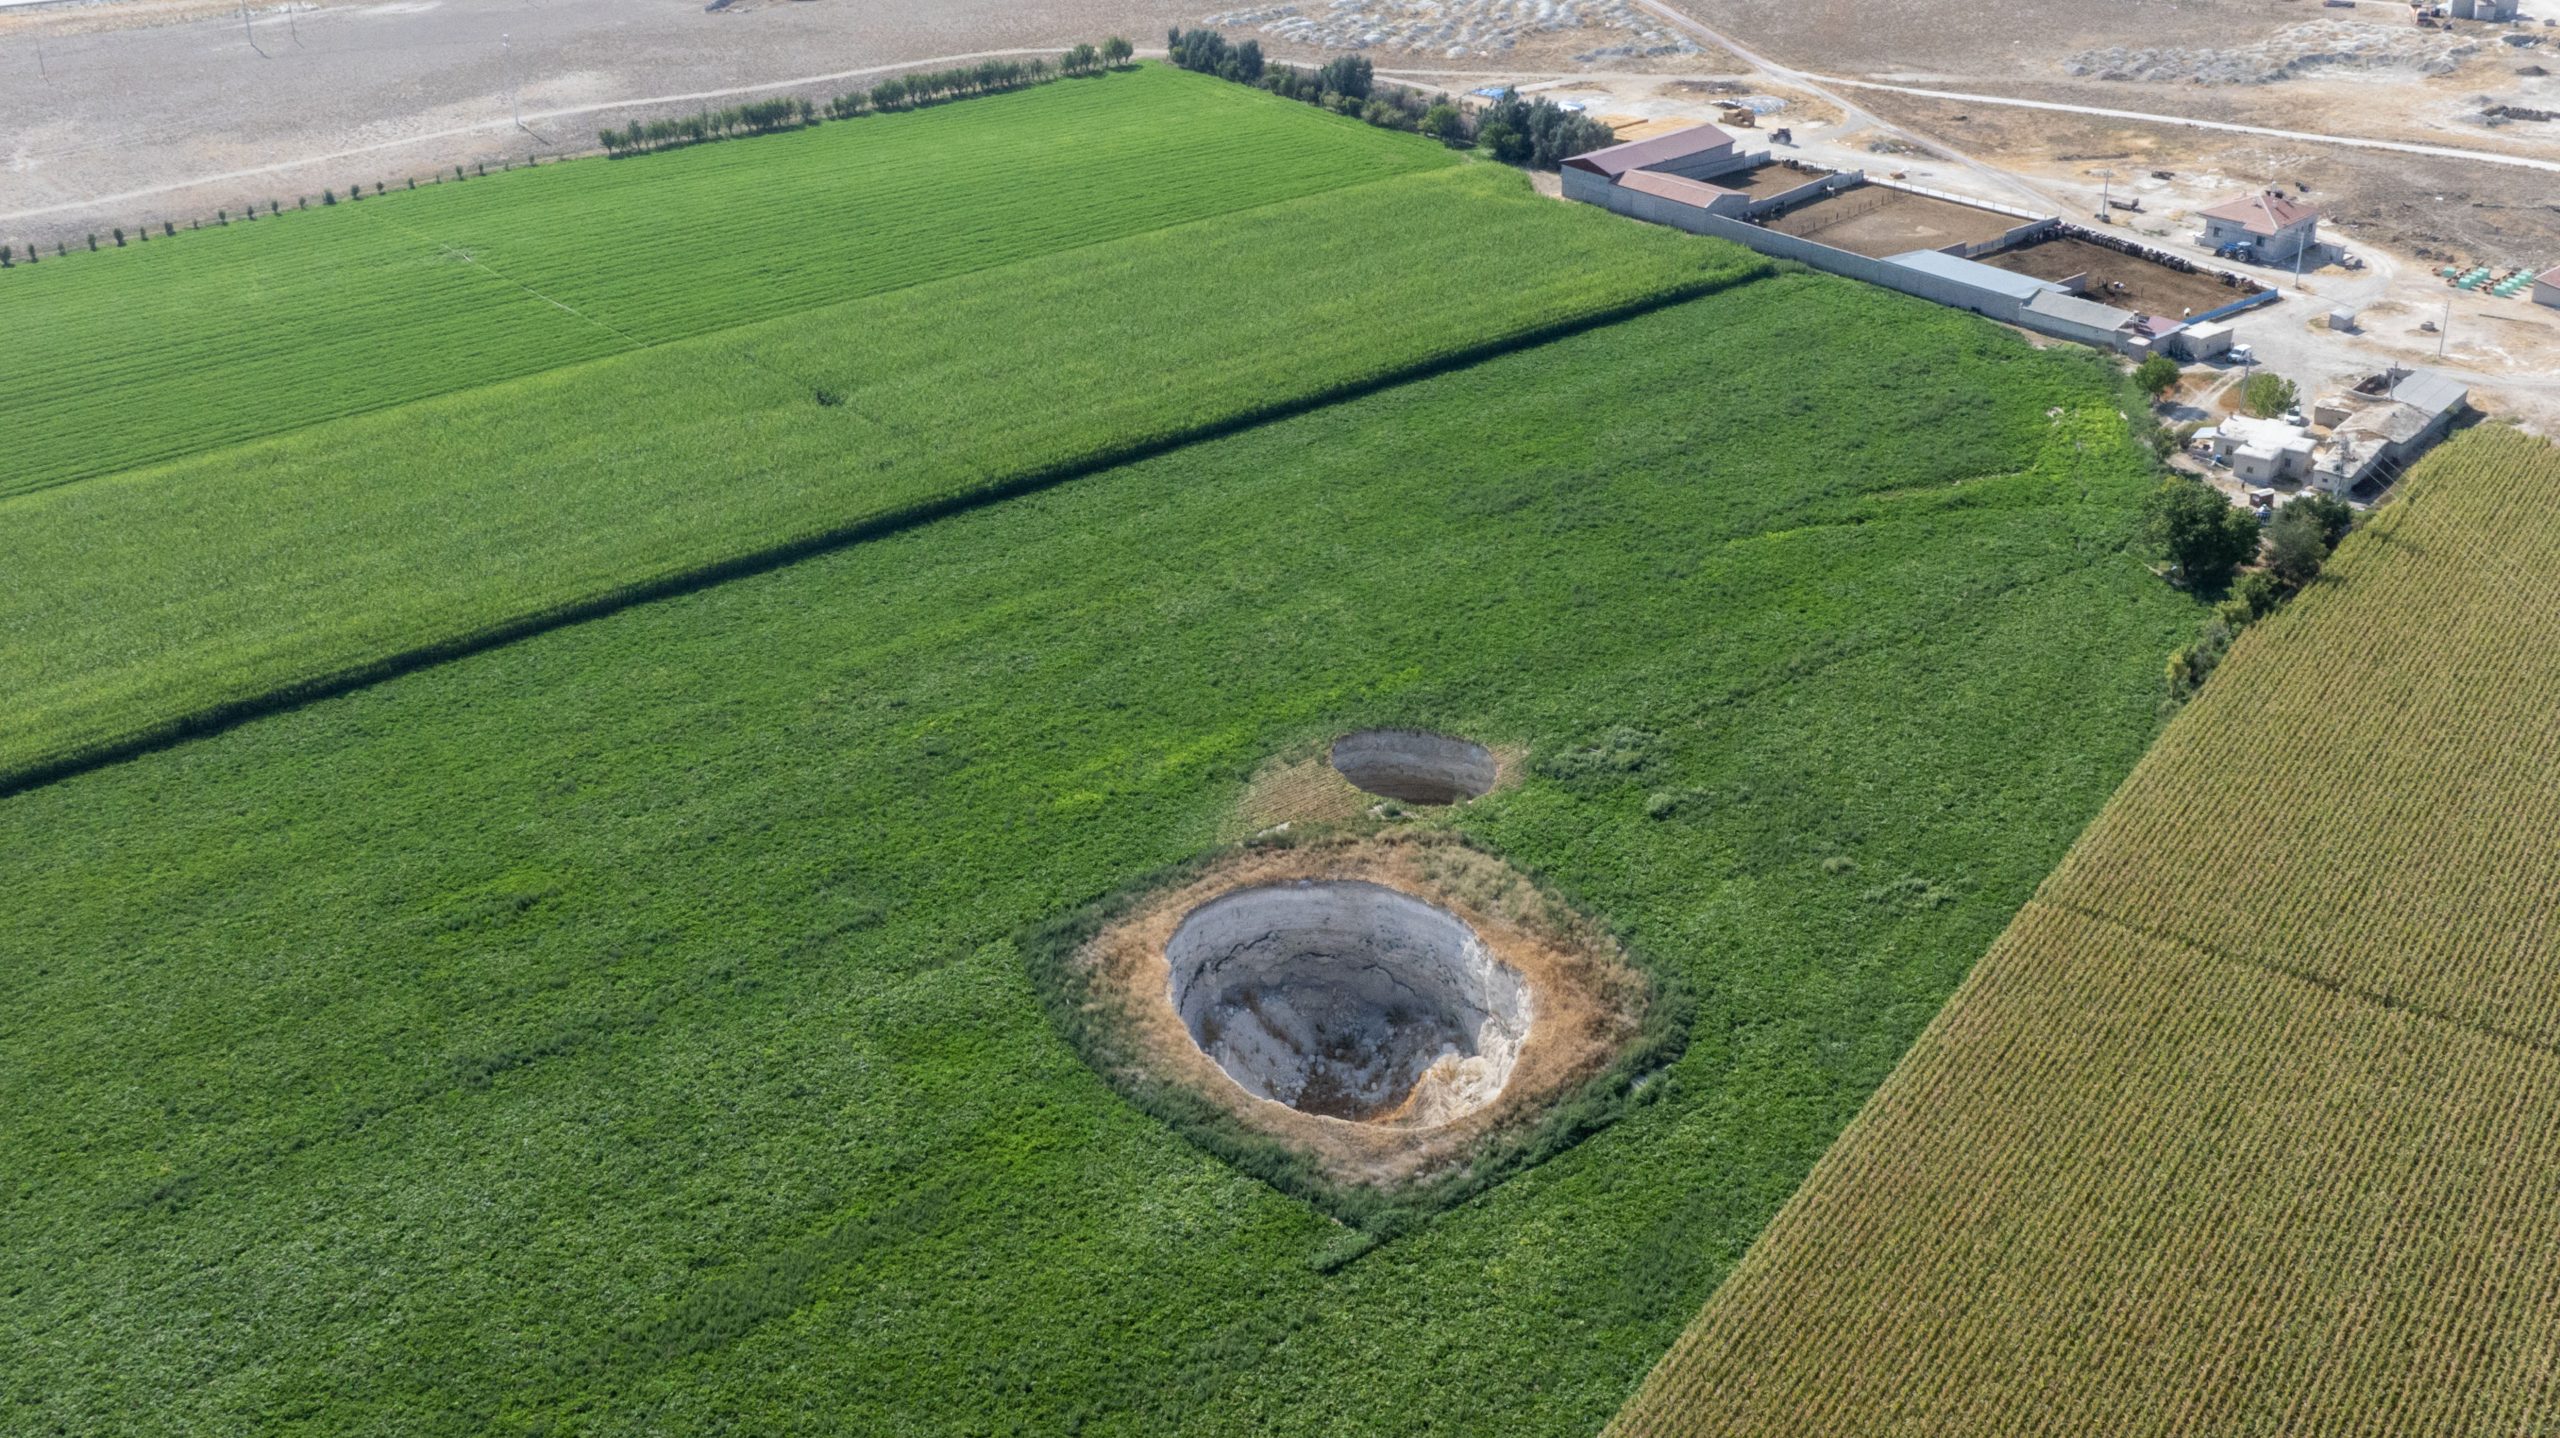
[2445,152]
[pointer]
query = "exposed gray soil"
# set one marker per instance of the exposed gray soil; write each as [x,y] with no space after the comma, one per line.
[1414,765]
[1350,1000]
[2322,47]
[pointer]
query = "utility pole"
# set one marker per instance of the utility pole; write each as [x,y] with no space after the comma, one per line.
[2106,196]
[252,34]
[40,70]
[289,25]
[2445,331]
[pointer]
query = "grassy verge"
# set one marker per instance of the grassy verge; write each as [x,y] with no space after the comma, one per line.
[624,1028]
[161,602]
[184,345]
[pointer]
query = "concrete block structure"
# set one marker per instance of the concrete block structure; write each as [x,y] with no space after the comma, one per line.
[2275,228]
[2383,423]
[2264,451]
[2493,11]
[2546,288]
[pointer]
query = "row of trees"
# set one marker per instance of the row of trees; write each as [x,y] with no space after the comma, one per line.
[1519,132]
[757,117]
[898,92]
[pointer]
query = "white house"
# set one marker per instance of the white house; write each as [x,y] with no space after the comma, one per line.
[2274,227]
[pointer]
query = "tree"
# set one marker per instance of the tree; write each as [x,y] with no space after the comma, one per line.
[2155,375]
[2336,516]
[1349,75]
[1446,123]
[1117,50]
[1082,60]
[2267,395]
[1246,62]
[2296,546]
[2203,534]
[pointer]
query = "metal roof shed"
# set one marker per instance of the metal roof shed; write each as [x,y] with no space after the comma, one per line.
[1970,275]
[1680,150]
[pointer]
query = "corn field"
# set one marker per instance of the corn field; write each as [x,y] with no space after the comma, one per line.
[2250,1123]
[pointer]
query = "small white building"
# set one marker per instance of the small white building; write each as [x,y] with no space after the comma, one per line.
[2546,287]
[2263,451]
[2273,227]
[2496,12]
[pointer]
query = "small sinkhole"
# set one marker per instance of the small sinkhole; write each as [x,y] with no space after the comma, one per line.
[1415,765]
[1349,1000]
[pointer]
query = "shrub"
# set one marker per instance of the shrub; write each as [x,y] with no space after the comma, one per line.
[119,237]
[1446,123]
[2258,594]
[1117,50]
[2336,516]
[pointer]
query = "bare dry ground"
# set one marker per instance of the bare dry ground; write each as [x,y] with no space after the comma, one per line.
[109,110]
[1879,222]
[2129,281]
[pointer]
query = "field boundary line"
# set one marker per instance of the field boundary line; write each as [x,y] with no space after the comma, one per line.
[2342,988]
[452,251]
[215,717]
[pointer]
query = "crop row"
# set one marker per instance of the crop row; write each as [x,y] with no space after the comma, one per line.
[2124,1187]
[148,602]
[225,334]
[2243,1127]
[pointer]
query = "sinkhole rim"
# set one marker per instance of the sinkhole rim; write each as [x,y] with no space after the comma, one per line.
[1349,1000]
[1415,766]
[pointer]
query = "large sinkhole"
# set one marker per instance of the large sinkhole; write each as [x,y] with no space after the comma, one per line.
[1348,1000]
[1415,765]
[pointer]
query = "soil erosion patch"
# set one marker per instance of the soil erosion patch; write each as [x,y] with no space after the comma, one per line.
[1385,1008]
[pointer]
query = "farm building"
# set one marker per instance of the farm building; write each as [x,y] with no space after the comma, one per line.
[1674,167]
[2274,228]
[2494,11]
[2262,451]
[2546,287]
[2382,424]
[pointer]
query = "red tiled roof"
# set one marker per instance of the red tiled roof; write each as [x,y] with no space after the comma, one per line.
[2550,276]
[1673,187]
[1636,154]
[2263,213]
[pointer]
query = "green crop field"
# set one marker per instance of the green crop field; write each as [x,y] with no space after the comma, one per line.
[179,346]
[2244,1126]
[624,1029]
[142,604]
